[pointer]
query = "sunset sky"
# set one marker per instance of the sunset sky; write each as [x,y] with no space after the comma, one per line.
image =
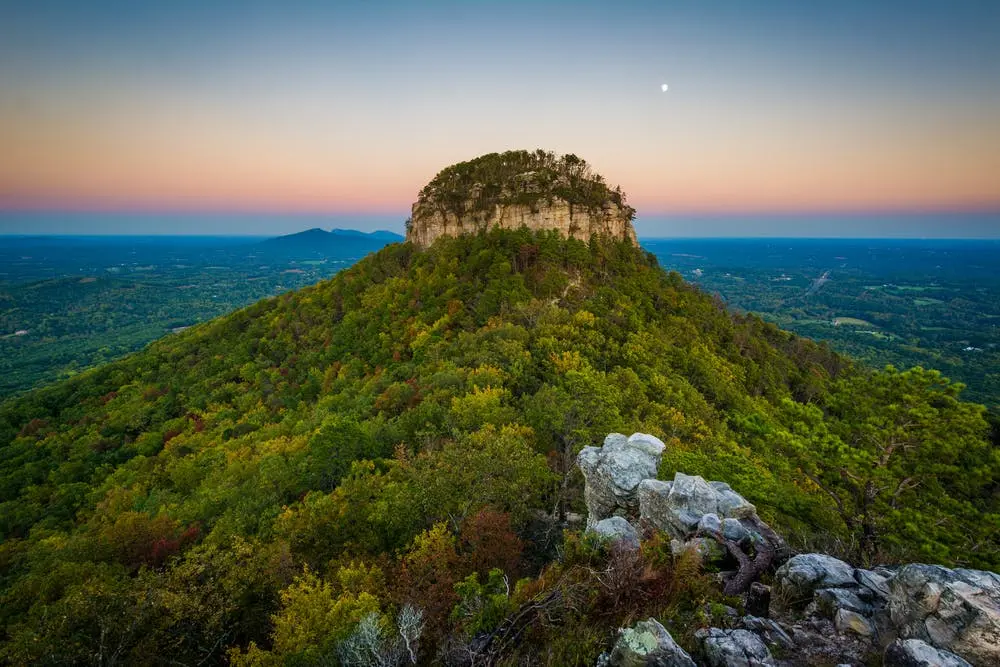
[775,110]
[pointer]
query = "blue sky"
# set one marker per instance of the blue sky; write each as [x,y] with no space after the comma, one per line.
[224,116]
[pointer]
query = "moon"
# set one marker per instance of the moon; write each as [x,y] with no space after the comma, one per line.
[663,87]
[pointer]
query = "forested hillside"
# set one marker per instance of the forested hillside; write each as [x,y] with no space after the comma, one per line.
[75,302]
[401,440]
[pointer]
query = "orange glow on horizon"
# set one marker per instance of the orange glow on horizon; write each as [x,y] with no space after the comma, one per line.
[147,161]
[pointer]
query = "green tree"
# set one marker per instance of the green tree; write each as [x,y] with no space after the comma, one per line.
[904,462]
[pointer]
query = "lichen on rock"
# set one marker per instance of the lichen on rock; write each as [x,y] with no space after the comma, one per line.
[647,644]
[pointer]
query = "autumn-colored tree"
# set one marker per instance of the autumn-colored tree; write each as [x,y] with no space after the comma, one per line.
[427,576]
[487,542]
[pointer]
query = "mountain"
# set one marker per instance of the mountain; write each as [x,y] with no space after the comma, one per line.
[318,242]
[384,464]
[514,189]
[380,234]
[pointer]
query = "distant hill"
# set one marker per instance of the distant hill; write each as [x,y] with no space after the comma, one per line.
[380,234]
[319,242]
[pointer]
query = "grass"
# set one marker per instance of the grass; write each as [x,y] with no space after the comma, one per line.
[852,321]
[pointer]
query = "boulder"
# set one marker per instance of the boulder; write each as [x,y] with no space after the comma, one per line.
[831,600]
[710,523]
[956,610]
[731,504]
[916,653]
[618,530]
[655,510]
[648,444]
[817,642]
[689,503]
[693,494]
[769,630]
[647,644]
[797,580]
[613,472]
[733,648]
[733,530]
[846,620]
[873,582]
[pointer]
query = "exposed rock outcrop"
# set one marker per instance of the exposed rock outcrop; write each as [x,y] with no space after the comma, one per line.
[915,653]
[707,517]
[616,529]
[822,610]
[956,610]
[689,502]
[797,581]
[647,644]
[537,190]
[614,471]
[428,224]
[733,648]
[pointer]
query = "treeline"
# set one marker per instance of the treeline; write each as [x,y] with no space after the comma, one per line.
[520,177]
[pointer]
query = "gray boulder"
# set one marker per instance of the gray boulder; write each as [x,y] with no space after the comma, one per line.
[710,523]
[732,504]
[618,530]
[689,502]
[768,630]
[873,582]
[733,648]
[655,510]
[647,644]
[830,600]
[845,620]
[613,472]
[956,610]
[693,494]
[915,653]
[733,530]
[801,576]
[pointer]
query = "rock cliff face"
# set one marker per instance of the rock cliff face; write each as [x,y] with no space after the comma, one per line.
[517,189]
[428,223]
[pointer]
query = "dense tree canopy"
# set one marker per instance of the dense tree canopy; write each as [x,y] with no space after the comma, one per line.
[369,464]
[519,177]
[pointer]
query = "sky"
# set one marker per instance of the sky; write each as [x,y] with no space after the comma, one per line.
[781,117]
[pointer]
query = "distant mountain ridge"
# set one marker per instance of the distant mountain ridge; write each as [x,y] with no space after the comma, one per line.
[381,234]
[319,242]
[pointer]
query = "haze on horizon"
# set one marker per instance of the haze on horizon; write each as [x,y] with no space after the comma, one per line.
[283,110]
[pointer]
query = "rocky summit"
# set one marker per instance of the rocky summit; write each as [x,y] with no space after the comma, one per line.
[817,609]
[537,190]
